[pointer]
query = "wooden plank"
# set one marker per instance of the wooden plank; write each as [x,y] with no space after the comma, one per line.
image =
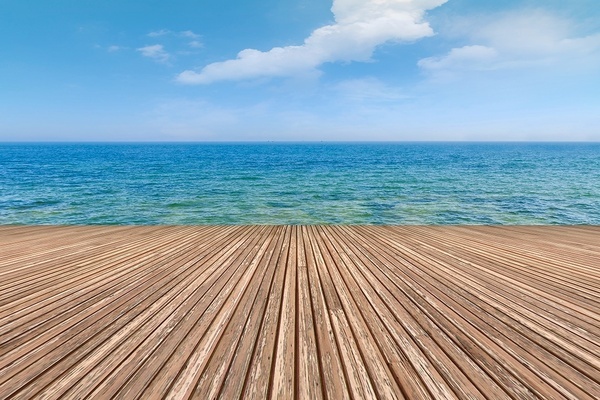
[332,312]
[101,331]
[398,311]
[357,375]
[283,383]
[236,377]
[308,382]
[333,379]
[522,357]
[218,368]
[259,375]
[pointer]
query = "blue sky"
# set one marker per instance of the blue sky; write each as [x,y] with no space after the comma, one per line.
[230,70]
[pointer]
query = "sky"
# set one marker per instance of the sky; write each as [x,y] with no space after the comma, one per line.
[299,70]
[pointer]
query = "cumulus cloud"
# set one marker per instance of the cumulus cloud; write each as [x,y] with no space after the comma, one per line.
[156,52]
[518,39]
[360,26]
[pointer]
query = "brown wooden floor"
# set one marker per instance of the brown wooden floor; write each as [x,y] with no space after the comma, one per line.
[300,312]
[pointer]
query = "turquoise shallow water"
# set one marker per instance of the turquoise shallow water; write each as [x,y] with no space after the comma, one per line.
[384,183]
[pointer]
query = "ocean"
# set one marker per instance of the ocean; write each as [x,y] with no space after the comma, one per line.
[300,183]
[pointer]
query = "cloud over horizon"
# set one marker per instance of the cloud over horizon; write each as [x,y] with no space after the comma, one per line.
[360,26]
[517,39]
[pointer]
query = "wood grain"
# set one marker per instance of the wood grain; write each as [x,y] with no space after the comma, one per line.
[300,312]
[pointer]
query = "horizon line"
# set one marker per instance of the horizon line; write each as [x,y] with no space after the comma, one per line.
[2,142]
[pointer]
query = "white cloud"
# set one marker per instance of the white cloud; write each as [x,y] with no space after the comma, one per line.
[159,33]
[536,33]
[156,52]
[360,26]
[164,32]
[189,34]
[523,38]
[194,38]
[114,48]
[195,42]
[472,57]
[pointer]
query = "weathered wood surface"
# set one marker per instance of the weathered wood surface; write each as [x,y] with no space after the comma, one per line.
[302,312]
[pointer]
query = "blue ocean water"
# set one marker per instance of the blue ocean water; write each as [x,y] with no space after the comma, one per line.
[308,183]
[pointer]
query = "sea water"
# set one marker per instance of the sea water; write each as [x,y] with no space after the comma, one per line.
[300,183]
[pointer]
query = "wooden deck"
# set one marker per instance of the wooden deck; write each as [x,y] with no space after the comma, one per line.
[300,312]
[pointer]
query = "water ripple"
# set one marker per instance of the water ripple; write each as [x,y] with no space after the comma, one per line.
[410,183]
